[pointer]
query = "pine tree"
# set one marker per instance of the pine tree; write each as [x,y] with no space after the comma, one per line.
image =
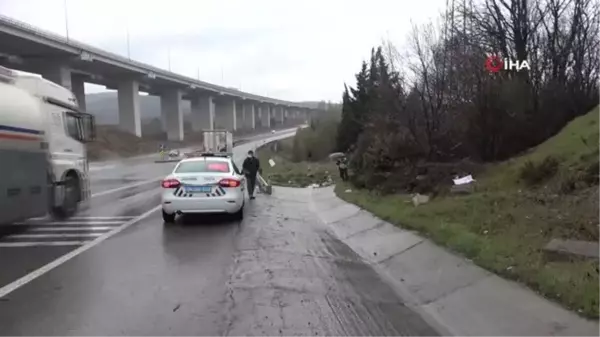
[354,103]
[345,136]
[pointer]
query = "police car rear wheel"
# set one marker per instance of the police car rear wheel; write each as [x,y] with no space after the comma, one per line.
[239,215]
[168,218]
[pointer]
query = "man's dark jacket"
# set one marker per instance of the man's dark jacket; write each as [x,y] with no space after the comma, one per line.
[251,166]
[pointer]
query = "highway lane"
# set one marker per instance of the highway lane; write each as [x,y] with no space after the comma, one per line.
[277,272]
[107,176]
[120,194]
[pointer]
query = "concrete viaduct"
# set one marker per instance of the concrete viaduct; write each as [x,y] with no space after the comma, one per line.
[70,64]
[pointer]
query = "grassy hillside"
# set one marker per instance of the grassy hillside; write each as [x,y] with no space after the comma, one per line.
[112,143]
[550,191]
[288,172]
[303,159]
[574,152]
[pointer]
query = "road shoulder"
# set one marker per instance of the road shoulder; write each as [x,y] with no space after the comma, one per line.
[460,296]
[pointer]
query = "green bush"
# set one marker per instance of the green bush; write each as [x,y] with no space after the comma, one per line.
[316,142]
[535,173]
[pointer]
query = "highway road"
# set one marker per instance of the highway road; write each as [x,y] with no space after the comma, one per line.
[116,269]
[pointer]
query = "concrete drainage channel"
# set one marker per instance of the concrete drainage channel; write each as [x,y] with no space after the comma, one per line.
[453,294]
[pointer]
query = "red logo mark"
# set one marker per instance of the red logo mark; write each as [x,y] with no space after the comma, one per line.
[494,64]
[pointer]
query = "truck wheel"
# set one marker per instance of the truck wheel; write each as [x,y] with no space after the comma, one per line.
[168,218]
[68,206]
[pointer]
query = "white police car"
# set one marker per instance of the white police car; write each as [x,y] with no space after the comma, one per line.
[207,183]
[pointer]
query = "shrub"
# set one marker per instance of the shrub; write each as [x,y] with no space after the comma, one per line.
[535,173]
[315,143]
[592,173]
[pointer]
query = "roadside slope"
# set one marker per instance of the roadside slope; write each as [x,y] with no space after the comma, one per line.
[449,291]
[517,208]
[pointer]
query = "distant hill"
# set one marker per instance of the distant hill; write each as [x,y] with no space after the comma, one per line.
[104,107]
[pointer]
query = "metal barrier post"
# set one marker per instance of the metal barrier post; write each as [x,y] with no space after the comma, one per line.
[264,185]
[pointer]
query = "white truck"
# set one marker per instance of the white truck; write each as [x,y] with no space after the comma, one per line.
[44,166]
[218,141]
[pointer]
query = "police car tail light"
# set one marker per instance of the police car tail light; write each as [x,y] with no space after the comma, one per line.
[170,183]
[230,183]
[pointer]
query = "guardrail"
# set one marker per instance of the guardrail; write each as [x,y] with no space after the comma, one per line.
[264,186]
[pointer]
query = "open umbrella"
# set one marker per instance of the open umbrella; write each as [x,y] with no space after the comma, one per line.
[336,155]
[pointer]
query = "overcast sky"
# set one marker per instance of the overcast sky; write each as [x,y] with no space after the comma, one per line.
[293,50]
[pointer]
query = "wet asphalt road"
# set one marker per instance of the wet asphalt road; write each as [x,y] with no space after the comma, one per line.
[121,191]
[277,272]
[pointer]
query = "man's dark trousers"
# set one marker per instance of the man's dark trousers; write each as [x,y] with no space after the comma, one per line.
[251,183]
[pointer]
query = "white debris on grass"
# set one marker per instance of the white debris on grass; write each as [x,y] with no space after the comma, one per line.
[419,199]
[463,180]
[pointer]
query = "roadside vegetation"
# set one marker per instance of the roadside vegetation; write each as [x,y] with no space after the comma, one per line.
[302,160]
[415,120]
[112,143]
[518,206]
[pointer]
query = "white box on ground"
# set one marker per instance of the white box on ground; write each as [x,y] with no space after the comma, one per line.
[464,180]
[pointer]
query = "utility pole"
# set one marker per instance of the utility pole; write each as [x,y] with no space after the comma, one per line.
[128,44]
[169,55]
[66,21]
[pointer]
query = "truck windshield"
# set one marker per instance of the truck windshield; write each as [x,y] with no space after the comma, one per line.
[80,126]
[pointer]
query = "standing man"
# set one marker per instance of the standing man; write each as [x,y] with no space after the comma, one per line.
[342,164]
[251,167]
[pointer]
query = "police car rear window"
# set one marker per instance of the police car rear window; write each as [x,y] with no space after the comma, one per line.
[203,166]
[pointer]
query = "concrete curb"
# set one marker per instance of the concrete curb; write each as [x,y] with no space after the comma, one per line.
[454,295]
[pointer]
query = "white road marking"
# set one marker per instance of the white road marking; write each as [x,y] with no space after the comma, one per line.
[82,223]
[102,218]
[68,229]
[101,167]
[122,188]
[7,289]
[90,218]
[52,235]
[41,243]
